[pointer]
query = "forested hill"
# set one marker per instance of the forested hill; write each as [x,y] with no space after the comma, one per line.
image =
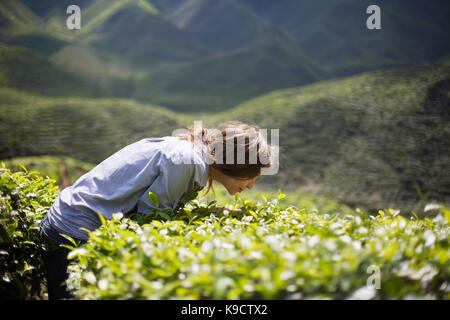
[202,55]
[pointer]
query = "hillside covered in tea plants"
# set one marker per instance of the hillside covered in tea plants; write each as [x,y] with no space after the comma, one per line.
[381,138]
[375,139]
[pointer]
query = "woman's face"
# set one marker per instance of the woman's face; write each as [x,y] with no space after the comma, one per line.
[234,185]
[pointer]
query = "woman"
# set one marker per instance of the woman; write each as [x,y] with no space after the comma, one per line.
[174,168]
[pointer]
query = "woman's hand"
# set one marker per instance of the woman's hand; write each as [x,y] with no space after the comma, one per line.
[231,211]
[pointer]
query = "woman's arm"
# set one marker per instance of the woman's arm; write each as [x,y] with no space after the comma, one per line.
[172,184]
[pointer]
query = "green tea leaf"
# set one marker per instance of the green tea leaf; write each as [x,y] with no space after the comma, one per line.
[153,198]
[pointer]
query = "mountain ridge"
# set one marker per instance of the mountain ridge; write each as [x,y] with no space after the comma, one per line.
[172,50]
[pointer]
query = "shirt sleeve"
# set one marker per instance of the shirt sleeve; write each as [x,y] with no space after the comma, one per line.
[116,184]
[173,183]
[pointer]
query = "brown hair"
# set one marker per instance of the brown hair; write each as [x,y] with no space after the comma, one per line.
[239,136]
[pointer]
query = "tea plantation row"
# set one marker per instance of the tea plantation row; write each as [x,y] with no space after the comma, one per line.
[270,251]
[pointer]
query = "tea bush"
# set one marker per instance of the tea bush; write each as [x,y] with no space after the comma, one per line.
[25,198]
[267,252]
[270,250]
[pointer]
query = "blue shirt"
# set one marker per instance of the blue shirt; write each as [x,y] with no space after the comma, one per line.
[171,168]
